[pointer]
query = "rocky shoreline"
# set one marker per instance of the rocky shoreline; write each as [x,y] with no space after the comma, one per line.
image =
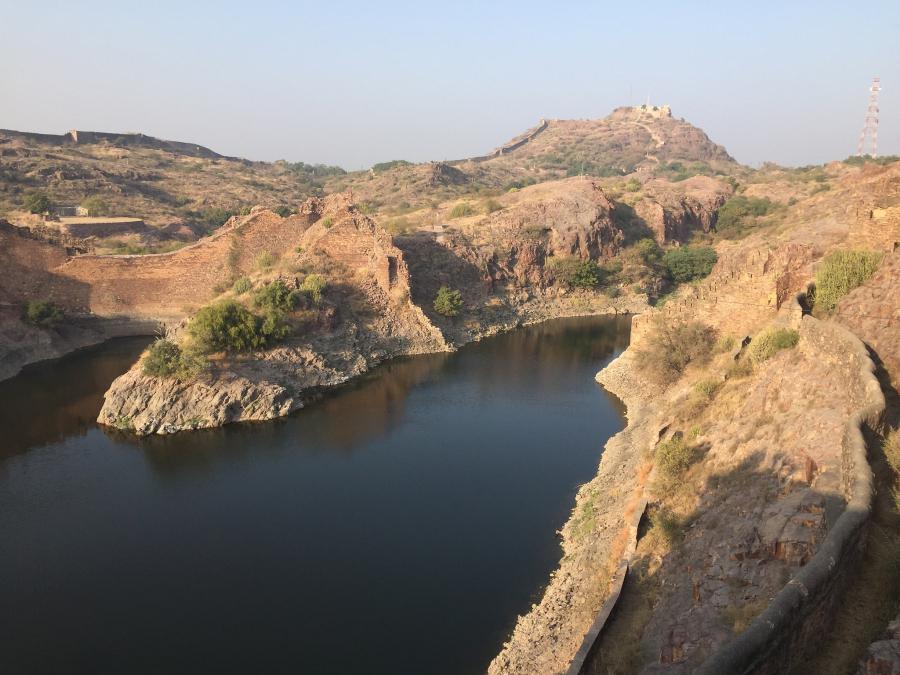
[594,536]
[22,345]
[273,384]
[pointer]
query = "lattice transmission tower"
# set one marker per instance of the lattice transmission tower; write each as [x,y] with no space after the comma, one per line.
[870,128]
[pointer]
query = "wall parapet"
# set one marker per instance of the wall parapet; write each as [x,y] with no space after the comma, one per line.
[776,638]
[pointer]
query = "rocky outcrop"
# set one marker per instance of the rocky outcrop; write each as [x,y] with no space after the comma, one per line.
[267,386]
[569,218]
[373,320]
[442,174]
[673,212]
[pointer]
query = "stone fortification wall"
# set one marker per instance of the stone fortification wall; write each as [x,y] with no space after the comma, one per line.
[75,137]
[170,285]
[746,288]
[788,629]
[173,284]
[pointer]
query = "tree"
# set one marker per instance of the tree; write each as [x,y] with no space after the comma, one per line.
[314,286]
[688,262]
[574,272]
[448,301]
[276,297]
[37,202]
[42,313]
[166,359]
[228,326]
[163,359]
[738,211]
[671,347]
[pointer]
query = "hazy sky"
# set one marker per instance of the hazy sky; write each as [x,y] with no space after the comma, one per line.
[353,83]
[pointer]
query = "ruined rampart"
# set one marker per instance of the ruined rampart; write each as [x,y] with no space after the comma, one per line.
[172,285]
[789,628]
[75,137]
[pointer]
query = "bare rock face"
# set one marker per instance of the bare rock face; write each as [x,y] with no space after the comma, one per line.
[257,390]
[440,173]
[672,211]
[570,218]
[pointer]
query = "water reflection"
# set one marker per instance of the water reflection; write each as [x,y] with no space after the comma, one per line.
[58,399]
[411,510]
[53,400]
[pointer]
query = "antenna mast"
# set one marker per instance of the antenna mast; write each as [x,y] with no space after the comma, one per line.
[870,128]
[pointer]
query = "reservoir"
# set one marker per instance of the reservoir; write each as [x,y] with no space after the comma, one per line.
[397,526]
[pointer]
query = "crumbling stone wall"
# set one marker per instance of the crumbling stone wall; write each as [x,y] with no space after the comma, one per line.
[801,612]
[172,285]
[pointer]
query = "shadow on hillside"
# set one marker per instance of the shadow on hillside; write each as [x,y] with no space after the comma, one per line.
[632,225]
[664,576]
[432,265]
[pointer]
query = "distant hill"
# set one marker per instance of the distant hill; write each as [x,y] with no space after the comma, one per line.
[629,139]
[182,190]
[75,137]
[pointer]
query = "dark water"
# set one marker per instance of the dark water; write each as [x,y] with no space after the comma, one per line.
[398,526]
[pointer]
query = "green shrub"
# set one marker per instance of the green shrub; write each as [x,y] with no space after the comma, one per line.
[687,263]
[265,260]
[741,368]
[166,359]
[633,185]
[707,388]
[859,160]
[42,313]
[462,210]
[284,211]
[767,344]
[516,185]
[724,344]
[674,457]
[669,526]
[740,211]
[649,251]
[574,272]
[671,347]
[447,302]
[314,286]
[275,297]
[385,166]
[163,359]
[228,326]
[328,222]
[491,206]
[37,202]
[211,219]
[95,206]
[242,285]
[841,272]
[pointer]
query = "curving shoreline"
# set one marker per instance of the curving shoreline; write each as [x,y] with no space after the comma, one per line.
[545,640]
[285,379]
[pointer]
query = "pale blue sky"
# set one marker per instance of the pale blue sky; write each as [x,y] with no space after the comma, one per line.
[353,83]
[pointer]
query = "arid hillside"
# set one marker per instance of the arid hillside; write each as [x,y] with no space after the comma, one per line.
[181,190]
